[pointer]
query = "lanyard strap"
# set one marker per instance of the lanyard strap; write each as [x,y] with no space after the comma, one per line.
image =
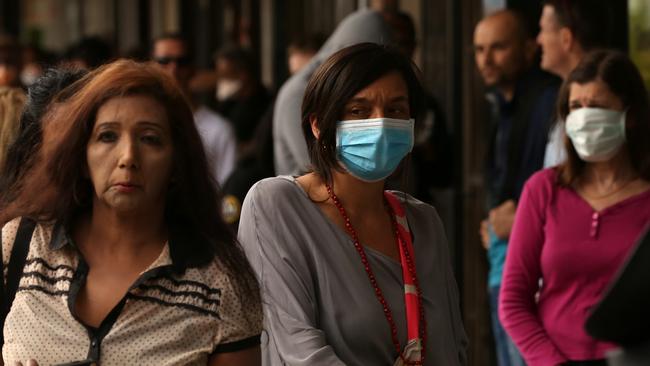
[411,296]
[413,352]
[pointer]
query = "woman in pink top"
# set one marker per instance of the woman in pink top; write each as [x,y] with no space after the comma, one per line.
[576,223]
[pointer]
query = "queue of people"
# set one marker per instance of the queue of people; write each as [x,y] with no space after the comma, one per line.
[521,98]
[119,245]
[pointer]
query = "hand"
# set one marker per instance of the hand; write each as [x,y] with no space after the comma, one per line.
[485,236]
[502,217]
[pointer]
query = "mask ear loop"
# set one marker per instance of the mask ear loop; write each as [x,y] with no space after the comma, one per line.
[623,123]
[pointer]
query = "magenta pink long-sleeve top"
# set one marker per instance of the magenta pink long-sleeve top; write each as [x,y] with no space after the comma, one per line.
[559,238]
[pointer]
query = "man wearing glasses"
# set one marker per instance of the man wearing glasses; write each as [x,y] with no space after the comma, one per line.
[173,54]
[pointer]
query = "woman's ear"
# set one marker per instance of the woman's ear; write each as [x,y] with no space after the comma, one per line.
[313,121]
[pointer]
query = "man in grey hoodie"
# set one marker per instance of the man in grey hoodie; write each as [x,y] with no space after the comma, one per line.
[290,149]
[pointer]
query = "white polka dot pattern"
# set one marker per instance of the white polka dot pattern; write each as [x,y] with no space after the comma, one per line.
[168,319]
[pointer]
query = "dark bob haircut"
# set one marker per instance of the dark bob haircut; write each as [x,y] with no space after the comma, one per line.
[197,232]
[335,82]
[622,77]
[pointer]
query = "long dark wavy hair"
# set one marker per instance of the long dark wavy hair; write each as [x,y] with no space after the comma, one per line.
[192,210]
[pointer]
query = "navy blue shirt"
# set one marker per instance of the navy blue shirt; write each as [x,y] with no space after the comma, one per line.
[520,130]
[499,164]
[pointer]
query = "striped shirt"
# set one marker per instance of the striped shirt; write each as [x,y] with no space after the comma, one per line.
[167,317]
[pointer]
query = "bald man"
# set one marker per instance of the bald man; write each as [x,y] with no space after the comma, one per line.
[522,99]
[503,51]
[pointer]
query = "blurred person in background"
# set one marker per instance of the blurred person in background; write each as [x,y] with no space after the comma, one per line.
[241,97]
[172,52]
[577,222]
[10,61]
[89,53]
[12,101]
[301,50]
[40,97]
[385,5]
[568,30]
[522,100]
[257,164]
[138,53]
[35,60]
[126,242]
[432,157]
[353,274]
[290,150]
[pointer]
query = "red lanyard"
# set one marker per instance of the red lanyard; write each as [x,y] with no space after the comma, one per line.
[416,326]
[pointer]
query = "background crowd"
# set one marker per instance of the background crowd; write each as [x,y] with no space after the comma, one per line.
[565,176]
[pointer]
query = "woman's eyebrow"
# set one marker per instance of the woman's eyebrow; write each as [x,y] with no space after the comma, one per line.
[146,123]
[358,100]
[106,124]
[400,98]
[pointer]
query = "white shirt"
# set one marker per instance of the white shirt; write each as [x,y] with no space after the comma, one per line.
[218,141]
[555,154]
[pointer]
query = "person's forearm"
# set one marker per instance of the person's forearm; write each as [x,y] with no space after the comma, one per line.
[246,357]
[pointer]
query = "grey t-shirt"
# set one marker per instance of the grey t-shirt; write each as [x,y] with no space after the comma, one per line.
[319,306]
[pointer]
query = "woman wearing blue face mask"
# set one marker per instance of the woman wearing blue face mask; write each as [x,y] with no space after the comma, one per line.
[575,224]
[352,274]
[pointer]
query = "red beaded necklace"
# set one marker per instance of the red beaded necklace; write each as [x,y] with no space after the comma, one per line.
[373,280]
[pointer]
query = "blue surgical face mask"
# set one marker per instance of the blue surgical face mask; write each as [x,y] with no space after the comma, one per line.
[371,149]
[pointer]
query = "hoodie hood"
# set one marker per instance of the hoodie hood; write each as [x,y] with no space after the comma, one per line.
[290,150]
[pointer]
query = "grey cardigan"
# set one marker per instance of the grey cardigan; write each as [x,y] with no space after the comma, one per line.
[319,306]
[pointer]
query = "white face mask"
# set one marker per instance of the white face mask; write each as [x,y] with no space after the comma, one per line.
[597,134]
[227,89]
[29,75]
